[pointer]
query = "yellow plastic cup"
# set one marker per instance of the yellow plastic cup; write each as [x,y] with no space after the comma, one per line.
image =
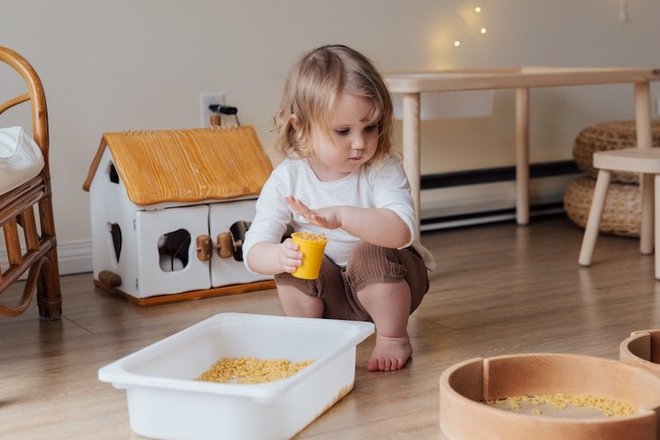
[312,247]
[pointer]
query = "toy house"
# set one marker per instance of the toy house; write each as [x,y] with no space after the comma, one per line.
[169,211]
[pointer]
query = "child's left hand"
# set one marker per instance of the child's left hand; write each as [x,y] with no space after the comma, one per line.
[325,217]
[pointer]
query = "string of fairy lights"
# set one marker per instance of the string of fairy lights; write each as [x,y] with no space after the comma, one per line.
[477,12]
[482,29]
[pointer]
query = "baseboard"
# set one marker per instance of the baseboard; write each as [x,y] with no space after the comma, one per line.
[448,200]
[75,256]
[485,196]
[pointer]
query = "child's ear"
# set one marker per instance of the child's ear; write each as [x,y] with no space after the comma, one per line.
[295,122]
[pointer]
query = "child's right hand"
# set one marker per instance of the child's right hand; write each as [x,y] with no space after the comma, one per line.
[289,256]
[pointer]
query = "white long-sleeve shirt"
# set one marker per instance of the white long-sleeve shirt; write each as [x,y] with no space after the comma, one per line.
[382,185]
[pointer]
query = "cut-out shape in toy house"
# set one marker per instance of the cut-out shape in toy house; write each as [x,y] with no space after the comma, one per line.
[169,212]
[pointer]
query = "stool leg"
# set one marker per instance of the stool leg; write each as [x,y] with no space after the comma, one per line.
[644,135]
[656,210]
[646,239]
[595,213]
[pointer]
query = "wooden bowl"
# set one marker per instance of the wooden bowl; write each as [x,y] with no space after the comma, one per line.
[642,349]
[465,387]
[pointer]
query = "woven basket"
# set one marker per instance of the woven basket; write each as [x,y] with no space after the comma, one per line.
[609,136]
[621,213]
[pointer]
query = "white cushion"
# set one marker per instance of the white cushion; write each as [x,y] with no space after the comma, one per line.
[20,158]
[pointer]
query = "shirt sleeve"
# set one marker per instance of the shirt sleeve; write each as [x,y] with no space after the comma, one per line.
[271,218]
[391,191]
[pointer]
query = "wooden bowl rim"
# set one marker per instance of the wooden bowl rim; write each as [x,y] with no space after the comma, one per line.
[477,407]
[624,350]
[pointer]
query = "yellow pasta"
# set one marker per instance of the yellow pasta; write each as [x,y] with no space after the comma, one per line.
[310,236]
[560,401]
[247,370]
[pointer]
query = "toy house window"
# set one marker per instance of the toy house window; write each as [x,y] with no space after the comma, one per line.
[115,237]
[238,231]
[112,173]
[173,249]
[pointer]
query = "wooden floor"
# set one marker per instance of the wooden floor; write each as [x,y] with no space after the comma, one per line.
[499,289]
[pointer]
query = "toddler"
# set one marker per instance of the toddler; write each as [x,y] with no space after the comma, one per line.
[340,179]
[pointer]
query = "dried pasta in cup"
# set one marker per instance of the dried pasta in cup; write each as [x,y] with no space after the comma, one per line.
[310,236]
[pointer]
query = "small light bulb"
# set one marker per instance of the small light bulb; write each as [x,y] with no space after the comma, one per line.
[477,9]
[483,30]
[457,43]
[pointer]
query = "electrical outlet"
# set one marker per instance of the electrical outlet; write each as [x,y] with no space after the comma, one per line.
[206,99]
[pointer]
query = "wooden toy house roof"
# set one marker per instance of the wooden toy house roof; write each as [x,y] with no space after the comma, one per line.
[190,165]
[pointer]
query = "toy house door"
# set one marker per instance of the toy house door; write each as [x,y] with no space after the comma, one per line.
[228,223]
[167,262]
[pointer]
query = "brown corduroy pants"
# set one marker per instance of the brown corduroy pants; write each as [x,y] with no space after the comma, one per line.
[367,264]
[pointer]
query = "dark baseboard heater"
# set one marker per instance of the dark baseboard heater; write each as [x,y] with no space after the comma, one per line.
[473,197]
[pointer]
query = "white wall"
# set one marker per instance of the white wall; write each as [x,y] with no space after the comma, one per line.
[141,64]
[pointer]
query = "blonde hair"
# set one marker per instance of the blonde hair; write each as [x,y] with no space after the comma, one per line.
[310,92]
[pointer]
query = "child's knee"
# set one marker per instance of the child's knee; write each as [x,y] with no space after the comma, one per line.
[375,263]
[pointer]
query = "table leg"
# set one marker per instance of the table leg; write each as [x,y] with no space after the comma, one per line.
[522,156]
[411,149]
[657,216]
[644,140]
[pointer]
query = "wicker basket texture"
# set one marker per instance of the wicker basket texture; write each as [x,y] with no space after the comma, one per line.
[621,213]
[609,136]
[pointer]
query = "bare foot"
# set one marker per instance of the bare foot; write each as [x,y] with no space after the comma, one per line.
[390,353]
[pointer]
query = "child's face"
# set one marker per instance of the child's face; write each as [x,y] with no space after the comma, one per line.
[352,141]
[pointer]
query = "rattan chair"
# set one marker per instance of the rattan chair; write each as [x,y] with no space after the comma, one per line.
[26,212]
[645,161]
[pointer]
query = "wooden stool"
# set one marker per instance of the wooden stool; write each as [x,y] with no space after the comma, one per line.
[638,160]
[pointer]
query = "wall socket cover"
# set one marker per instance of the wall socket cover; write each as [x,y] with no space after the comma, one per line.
[206,99]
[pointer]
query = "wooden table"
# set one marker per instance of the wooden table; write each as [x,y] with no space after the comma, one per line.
[521,79]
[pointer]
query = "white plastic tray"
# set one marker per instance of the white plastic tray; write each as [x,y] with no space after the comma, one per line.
[165,402]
